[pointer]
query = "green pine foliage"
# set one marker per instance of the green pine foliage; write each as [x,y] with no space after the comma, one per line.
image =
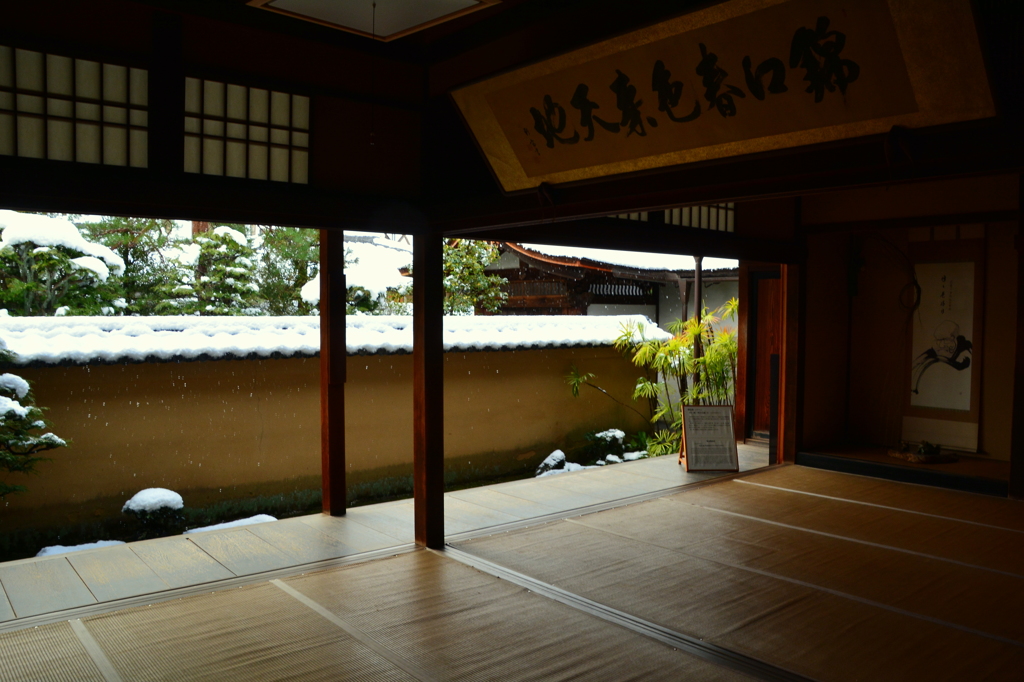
[23,431]
[467,285]
[289,257]
[140,242]
[221,280]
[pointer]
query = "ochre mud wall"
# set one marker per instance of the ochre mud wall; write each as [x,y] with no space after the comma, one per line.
[244,427]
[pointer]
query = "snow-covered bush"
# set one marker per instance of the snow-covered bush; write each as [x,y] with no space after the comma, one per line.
[46,266]
[217,278]
[23,433]
[158,512]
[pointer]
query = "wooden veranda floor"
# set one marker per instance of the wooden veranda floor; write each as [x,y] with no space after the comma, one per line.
[785,573]
[35,589]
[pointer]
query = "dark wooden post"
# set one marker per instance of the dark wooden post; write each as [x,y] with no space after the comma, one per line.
[167,98]
[1017,427]
[789,367]
[428,389]
[333,359]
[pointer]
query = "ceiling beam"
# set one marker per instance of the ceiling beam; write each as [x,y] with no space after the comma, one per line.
[633,235]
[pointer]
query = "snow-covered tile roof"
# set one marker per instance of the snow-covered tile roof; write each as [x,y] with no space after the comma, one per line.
[85,340]
[632,259]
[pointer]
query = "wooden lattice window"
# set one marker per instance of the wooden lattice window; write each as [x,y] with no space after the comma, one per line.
[67,109]
[246,132]
[720,217]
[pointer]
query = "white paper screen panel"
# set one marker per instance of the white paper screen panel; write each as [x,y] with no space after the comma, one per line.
[245,132]
[66,109]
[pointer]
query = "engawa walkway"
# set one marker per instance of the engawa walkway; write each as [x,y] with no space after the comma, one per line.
[42,589]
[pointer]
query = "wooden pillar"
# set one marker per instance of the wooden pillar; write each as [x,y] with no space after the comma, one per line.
[698,301]
[428,389]
[789,363]
[742,350]
[333,359]
[1017,428]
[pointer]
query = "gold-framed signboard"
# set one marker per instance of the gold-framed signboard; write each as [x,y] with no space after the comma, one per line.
[739,77]
[709,441]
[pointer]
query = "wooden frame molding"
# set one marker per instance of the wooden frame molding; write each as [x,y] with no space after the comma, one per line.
[481,4]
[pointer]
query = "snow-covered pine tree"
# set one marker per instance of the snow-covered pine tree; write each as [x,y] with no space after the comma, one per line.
[215,275]
[20,425]
[140,242]
[47,267]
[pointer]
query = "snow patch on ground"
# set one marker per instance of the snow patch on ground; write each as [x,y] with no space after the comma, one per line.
[259,518]
[555,460]
[61,549]
[612,459]
[633,456]
[85,339]
[152,499]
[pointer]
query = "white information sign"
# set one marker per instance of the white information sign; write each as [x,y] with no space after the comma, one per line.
[709,438]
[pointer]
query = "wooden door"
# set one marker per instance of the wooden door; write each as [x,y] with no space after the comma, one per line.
[767,338]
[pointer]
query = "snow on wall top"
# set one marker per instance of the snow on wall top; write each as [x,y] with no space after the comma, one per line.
[633,259]
[84,340]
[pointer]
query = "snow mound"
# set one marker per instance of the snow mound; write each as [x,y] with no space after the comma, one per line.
[612,459]
[310,291]
[84,340]
[61,549]
[93,265]
[378,264]
[633,456]
[152,499]
[231,232]
[7,406]
[15,384]
[27,228]
[610,435]
[556,460]
[569,466]
[259,518]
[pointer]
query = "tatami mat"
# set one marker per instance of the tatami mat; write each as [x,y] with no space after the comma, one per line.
[992,548]
[825,606]
[919,498]
[461,624]
[51,653]
[250,633]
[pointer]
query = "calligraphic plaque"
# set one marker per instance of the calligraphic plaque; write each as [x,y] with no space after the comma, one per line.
[709,438]
[735,78]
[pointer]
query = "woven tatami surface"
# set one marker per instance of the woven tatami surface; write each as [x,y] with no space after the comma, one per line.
[461,624]
[51,653]
[828,588]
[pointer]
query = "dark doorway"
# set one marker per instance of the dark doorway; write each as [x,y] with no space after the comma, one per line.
[765,340]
